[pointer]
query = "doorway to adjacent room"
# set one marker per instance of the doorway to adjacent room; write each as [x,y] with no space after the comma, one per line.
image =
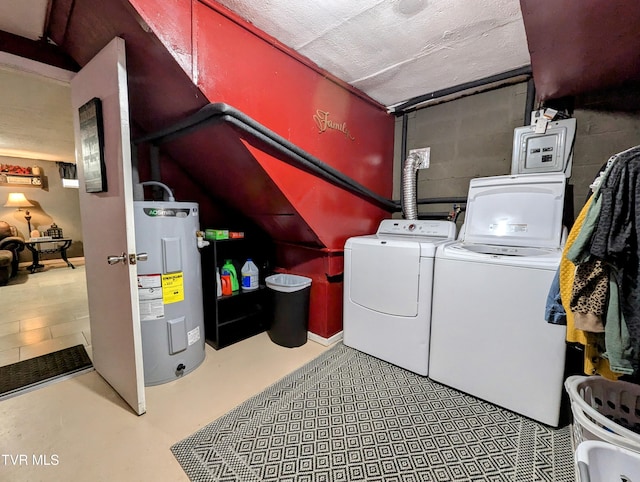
[45,311]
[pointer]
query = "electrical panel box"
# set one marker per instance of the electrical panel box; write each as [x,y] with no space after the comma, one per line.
[540,152]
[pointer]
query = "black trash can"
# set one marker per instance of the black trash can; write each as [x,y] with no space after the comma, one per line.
[290,303]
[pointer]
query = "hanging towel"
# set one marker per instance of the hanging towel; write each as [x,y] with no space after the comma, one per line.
[620,349]
[591,277]
[589,295]
[567,271]
[593,343]
[615,239]
[554,311]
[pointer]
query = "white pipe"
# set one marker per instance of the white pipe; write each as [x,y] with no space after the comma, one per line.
[201,241]
[409,182]
[164,186]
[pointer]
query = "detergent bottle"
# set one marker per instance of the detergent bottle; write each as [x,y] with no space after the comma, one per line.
[218,283]
[225,282]
[249,275]
[228,265]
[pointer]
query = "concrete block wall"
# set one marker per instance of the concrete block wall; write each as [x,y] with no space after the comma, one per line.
[469,137]
[473,137]
[608,122]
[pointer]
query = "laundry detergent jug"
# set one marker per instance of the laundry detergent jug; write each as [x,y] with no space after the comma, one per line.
[225,283]
[228,265]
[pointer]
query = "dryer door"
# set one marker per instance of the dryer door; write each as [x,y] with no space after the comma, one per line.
[385,276]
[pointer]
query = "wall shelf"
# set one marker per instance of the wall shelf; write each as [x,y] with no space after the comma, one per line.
[20,180]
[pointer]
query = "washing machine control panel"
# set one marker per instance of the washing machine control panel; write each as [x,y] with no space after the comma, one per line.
[418,227]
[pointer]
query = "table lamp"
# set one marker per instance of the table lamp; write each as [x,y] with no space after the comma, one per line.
[17,200]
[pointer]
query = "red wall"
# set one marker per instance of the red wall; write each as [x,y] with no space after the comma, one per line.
[232,62]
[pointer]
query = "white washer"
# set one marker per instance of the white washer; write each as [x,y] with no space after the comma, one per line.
[489,337]
[387,290]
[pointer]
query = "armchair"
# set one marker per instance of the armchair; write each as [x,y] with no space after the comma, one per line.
[10,246]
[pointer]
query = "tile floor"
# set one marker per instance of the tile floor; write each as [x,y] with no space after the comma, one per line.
[79,429]
[44,311]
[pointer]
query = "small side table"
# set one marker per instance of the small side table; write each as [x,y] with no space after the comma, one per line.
[59,245]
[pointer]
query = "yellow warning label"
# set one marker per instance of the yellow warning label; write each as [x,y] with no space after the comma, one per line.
[172,288]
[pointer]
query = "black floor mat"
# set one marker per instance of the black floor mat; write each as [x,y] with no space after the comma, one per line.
[28,373]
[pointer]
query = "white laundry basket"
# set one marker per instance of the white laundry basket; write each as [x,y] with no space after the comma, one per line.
[605,410]
[603,462]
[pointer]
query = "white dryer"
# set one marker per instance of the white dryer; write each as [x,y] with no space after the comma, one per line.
[387,290]
[489,337]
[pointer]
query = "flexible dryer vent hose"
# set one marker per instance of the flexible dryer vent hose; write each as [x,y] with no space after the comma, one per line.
[409,182]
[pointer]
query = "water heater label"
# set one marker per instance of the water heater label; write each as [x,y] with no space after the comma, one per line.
[167,212]
[193,336]
[150,297]
[173,287]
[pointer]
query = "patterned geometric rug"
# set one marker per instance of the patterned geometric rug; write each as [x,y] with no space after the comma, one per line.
[347,416]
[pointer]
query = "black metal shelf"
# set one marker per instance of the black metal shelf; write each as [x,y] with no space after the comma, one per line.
[241,292]
[234,317]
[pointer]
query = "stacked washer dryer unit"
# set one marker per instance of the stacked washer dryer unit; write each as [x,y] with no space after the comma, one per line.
[489,337]
[388,279]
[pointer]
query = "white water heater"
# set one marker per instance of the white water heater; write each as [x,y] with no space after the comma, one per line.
[169,289]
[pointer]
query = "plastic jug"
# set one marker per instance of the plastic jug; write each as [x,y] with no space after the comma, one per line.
[228,265]
[225,282]
[249,275]
[218,283]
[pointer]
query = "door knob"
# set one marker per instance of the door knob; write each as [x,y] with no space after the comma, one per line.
[131,259]
[117,259]
[134,258]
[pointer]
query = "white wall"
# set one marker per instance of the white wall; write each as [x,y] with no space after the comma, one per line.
[52,204]
[36,129]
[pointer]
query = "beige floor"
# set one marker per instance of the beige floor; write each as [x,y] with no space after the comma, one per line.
[85,432]
[44,311]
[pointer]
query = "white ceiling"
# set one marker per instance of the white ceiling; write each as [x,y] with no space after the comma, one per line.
[393,50]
